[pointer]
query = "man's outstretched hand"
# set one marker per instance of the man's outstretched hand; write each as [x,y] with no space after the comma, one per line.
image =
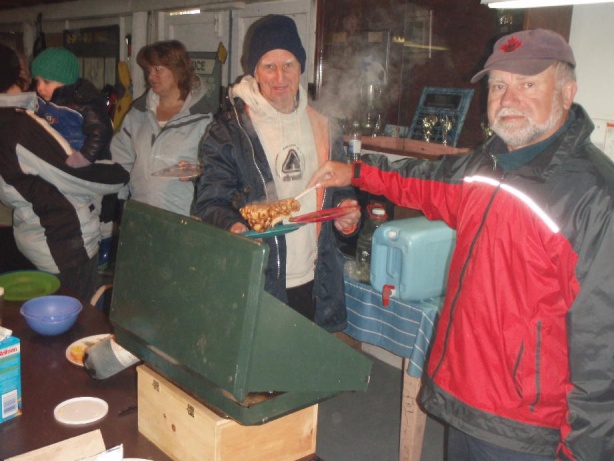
[332,174]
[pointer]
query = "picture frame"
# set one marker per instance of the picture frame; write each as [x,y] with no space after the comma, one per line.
[365,53]
[97,49]
[418,33]
[375,56]
[439,102]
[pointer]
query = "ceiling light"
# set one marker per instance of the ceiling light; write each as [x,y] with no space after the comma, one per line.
[184,12]
[537,3]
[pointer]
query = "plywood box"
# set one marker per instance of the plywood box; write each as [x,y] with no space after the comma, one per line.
[185,429]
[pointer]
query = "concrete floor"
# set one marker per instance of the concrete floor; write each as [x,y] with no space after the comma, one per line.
[364,426]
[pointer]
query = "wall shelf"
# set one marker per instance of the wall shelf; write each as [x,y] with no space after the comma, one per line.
[409,147]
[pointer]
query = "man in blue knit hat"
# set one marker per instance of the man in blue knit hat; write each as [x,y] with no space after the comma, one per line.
[265,147]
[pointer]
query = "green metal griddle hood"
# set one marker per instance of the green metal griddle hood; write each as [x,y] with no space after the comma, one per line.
[188,299]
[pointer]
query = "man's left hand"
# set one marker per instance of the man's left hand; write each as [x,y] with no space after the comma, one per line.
[348,222]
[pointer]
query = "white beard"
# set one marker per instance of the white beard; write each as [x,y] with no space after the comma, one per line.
[531,131]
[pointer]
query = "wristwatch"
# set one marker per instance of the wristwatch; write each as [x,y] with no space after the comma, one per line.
[356,169]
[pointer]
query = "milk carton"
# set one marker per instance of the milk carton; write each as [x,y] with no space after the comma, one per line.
[10,378]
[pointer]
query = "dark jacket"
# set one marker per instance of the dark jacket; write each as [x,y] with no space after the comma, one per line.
[79,113]
[523,353]
[56,207]
[236,172]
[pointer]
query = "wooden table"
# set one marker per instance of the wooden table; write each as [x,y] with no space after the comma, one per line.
[405,329]
[48,378]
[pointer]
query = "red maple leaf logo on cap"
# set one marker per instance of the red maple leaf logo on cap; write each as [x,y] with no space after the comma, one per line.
[512,44]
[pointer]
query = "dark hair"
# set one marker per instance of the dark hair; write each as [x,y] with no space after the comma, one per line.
[9,75]
[171,54]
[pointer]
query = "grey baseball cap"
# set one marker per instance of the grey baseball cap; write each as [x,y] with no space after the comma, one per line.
[527,52]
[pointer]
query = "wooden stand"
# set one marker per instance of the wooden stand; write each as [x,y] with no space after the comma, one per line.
[185,429]
[413,419]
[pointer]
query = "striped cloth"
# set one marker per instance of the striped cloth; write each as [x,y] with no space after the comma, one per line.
[403,328]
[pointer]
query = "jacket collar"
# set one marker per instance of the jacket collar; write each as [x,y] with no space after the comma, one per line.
[198,102]
[28,101]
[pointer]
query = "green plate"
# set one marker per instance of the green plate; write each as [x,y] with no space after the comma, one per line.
[280,229]
[24,285]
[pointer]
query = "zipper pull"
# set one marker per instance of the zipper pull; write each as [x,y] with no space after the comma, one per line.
[494,162]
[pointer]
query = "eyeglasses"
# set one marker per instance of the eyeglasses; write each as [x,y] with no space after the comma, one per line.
[155,69]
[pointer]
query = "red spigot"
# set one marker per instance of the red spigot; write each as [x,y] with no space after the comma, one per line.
[386,294]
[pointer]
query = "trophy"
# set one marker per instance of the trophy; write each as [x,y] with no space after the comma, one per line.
[428,124]
[371,103]
[446,123]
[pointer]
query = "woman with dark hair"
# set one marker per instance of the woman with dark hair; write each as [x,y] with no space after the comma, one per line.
[163,128]
[11,259]
[173,55]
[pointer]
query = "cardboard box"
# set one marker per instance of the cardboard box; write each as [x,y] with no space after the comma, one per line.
[10,378]
[411,256]
[185,429]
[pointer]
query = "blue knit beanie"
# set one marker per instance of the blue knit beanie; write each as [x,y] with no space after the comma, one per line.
[275,32]
[57,65]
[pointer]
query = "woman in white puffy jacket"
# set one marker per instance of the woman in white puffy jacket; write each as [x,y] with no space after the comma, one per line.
[163,128]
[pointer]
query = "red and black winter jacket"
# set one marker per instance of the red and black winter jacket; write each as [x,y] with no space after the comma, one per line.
[523,356]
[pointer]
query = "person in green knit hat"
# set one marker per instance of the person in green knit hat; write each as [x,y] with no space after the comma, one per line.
[73,106]
[78,111]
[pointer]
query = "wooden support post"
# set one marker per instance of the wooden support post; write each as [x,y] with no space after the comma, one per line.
[413,419]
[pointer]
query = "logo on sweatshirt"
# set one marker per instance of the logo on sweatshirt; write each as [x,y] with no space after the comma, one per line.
[290,164]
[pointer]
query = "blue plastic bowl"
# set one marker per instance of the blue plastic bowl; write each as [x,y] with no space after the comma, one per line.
[51,315]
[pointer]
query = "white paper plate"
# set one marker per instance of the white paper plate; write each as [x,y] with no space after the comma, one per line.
[74,352]
[81,410]
[188,171]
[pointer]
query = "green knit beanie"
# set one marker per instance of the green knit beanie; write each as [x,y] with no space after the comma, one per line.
[57,65]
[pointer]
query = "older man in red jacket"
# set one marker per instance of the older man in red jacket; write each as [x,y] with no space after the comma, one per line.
[522,366]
